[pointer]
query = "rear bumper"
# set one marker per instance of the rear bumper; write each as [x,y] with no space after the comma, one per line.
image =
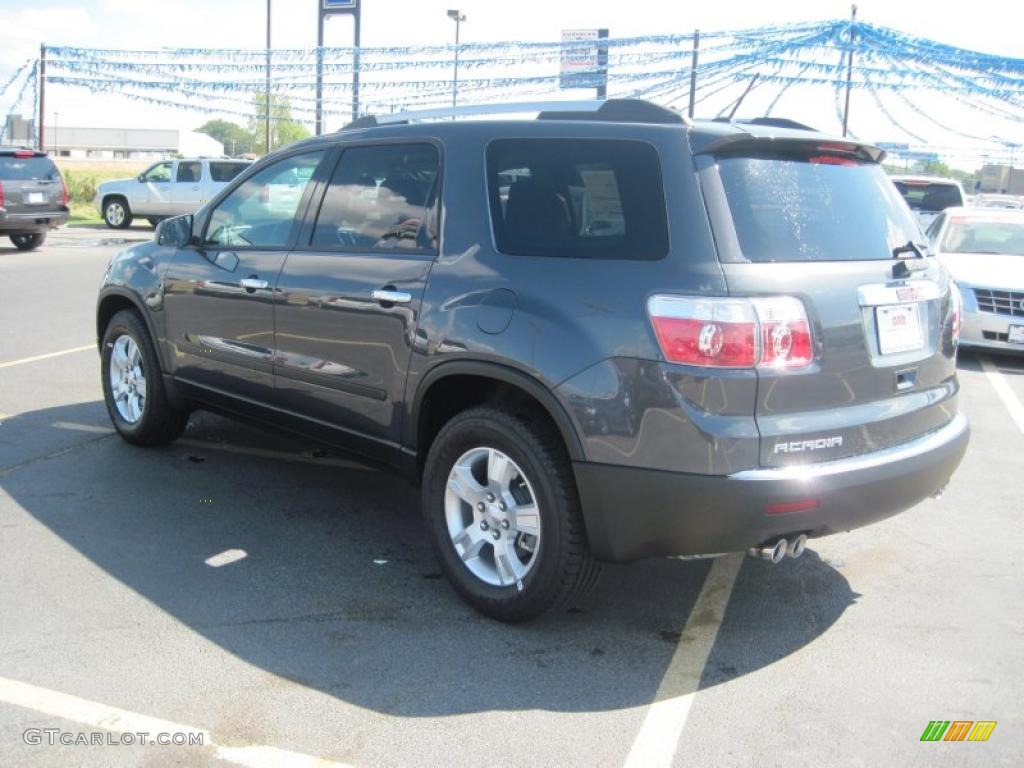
[636,513]
[37,221]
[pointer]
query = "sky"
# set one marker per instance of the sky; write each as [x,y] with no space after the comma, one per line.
[24,24]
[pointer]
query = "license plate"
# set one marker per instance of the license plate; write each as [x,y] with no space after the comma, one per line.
[34,198]
[899,328]
[1016,334]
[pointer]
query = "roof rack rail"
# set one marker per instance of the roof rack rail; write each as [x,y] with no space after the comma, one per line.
[611,110]
[771,122]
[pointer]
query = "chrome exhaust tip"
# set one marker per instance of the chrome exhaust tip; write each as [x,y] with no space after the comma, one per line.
[797,546]
[774,553]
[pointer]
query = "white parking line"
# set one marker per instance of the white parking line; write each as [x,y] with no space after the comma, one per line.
[95,715]
[48,355]
[655,743]
[1006,394]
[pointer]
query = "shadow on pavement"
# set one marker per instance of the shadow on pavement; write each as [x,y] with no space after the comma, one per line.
[311,603]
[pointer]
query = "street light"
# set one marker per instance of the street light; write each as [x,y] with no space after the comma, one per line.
[458,18]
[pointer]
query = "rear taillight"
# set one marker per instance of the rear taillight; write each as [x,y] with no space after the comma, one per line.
[771,332]
[785,332]
[957,310]
[63,192]
[24,153]
[1,194]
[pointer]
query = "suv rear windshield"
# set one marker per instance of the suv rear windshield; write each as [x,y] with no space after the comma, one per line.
[27,168]
[578,198]
[930,197]
[813,208]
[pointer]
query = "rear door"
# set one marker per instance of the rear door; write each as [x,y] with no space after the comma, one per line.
[826,226]
[349,295]
[187,192]
[31,183]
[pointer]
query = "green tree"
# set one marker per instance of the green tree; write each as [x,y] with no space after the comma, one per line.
[236,139]
[283,128]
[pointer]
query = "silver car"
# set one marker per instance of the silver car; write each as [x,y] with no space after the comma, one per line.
[983,248]
[167,188]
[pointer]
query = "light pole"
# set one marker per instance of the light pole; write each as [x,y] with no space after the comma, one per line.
[458,18]
[266,106]
[56,148]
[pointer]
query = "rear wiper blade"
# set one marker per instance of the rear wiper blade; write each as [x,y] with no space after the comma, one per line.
[911,259]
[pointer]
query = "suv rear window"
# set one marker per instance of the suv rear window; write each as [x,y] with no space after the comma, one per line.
[226,171]
[814,208]
[27,168]
[589,198]
[929,196]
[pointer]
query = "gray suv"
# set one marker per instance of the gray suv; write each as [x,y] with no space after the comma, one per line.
[33,197]
[601,335]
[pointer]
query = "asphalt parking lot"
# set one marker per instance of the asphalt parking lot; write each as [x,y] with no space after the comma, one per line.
[335,639]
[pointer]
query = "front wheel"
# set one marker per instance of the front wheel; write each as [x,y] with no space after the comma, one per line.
[116,213]
[28,241]
[133,386]
[503,514]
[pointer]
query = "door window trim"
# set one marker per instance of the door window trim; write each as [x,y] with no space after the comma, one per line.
[301,210]
[313,212]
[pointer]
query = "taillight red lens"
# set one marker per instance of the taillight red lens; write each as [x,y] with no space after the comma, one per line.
[1,194]
[732,332]
[24,153]
[63,192]
[958,310]
[832,160]
[712,332]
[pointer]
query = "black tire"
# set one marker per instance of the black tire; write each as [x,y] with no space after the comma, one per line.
[159,422]
[565,567]
[116,213]
[153,221]
[28,241]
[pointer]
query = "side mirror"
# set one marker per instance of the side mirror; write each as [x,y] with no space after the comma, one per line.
[140,177]
[175,232]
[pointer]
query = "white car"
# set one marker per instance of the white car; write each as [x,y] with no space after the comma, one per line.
[983,248]
[928,196]
[167,188]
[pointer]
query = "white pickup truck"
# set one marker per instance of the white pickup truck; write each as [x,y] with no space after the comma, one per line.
[168,188]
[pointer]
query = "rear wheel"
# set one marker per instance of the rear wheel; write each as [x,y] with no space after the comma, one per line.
[28,241]
[154,220]
[503,515]
[133,386]
[116,213]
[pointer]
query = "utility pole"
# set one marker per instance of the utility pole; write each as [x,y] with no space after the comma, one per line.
[458,18]
[602,64]
[327,8]
[693,71]
[849,69]
[266,106]
[42,93]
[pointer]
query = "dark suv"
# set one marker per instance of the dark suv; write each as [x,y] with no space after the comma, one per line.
[595,336]
[33,197]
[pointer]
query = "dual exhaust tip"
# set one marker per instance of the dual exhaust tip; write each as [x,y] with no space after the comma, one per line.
[780,549]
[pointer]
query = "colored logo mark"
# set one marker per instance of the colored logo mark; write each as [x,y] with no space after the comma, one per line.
[958,730]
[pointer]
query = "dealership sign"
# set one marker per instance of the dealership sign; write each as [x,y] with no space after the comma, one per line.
[584,59]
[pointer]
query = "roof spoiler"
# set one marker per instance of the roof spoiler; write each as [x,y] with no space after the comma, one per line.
[790,142]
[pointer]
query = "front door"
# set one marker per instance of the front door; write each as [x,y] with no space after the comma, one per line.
[154,194]
[349,296]
[219,295]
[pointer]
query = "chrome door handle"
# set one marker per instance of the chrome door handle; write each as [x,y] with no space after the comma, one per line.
[392,297]
[252,284]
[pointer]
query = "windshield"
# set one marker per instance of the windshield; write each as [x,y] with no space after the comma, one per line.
[814,208]
[27,168]
[981,236]
[930,196]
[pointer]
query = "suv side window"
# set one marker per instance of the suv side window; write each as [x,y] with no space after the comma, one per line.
[261,211]
[579,198]
[379,198]
[158,174]
[189,172]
